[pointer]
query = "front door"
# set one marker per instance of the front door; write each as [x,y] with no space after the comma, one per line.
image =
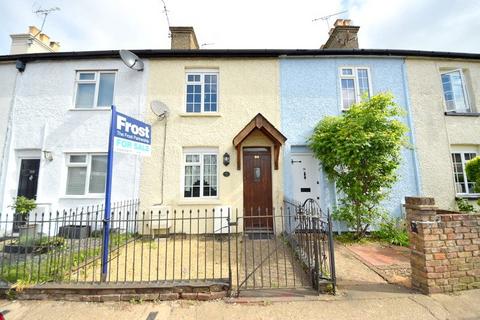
[305,177]
[27,183]
[257,189]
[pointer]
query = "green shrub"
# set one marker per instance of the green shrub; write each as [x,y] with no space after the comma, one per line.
[41,240]
[23,205]
[472,168]
[360,151]
[464,205]
[392,231]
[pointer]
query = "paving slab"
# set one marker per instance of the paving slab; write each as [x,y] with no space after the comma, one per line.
[390,262]
[381,255]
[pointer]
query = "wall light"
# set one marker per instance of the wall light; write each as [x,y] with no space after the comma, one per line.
[226,159]
[48,155]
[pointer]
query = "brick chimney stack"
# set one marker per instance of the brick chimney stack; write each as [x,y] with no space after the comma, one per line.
[183,38]
[342,36]
[32,42]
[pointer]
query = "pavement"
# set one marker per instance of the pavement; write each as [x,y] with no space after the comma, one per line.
[362,294]
[391,262]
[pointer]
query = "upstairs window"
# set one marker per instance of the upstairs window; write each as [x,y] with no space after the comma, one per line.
[86,174]
[462,185]
[355,82]
[455,92]
[200,174]
[202,88]
[94,89]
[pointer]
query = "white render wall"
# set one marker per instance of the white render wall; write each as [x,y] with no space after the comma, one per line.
[7,82]
[44,120]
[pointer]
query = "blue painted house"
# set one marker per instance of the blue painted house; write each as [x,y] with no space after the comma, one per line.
[313,87]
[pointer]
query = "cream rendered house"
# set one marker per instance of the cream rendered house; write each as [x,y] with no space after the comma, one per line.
[445,98]
[219,145]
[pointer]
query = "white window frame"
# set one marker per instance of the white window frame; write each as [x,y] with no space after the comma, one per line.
[96,81]
[202,73]
[88,165]
[464,162]
[465,91]
[201,152]
[354,77]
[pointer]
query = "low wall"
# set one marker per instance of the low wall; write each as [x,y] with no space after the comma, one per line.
[120,292]
[445,255]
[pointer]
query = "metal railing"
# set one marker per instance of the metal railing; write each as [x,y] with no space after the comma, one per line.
[286,248]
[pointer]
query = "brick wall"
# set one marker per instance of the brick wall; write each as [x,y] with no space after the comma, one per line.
[445,255]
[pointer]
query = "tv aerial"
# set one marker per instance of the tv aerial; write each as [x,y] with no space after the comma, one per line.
[131,60]
[44,13]
[159,108]
[165,10]
[326,18]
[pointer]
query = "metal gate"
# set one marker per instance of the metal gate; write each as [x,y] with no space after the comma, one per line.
[296,252]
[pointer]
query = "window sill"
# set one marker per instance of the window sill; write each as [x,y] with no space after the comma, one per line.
[91,109]
[187,202]
[199,114]
[89,196]
[462,114]
[468,196]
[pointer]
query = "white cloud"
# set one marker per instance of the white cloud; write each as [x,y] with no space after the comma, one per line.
[113,24]
[440,25]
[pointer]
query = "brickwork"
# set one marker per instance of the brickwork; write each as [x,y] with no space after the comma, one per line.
[445,255]
[98,293]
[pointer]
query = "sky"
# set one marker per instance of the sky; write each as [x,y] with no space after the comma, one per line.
[438,25]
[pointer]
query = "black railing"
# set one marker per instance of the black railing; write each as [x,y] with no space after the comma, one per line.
[285,248]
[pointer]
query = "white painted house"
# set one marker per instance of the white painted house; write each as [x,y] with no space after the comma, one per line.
[59,128]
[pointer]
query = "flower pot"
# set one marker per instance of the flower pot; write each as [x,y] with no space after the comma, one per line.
[27,231]
[18,221]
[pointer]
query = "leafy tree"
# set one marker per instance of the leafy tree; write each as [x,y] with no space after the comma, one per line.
[472,169]
[360,151]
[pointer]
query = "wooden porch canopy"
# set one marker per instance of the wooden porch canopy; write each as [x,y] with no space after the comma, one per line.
[259,122]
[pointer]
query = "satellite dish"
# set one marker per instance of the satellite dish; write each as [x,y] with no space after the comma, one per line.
[131,60]
[159,108]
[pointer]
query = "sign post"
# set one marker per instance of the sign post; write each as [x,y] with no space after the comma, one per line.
[126,135]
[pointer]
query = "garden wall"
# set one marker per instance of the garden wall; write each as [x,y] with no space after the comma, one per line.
[445,255]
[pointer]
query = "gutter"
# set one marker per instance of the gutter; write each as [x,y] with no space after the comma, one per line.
[240,53]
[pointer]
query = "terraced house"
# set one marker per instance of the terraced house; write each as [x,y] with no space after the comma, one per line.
[219,146]
[56,145]
[326,82]
[229,160]
[444,91]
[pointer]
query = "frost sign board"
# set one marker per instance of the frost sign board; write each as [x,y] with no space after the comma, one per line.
[131,135]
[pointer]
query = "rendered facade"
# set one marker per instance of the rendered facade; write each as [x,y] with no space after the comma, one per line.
[234,134]
[444,95]
[59,125]
[315,87]
[211,101]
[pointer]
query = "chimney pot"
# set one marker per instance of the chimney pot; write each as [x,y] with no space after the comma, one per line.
[33,30]
[32,42]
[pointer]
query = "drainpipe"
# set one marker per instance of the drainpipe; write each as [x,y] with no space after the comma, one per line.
[412,130]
